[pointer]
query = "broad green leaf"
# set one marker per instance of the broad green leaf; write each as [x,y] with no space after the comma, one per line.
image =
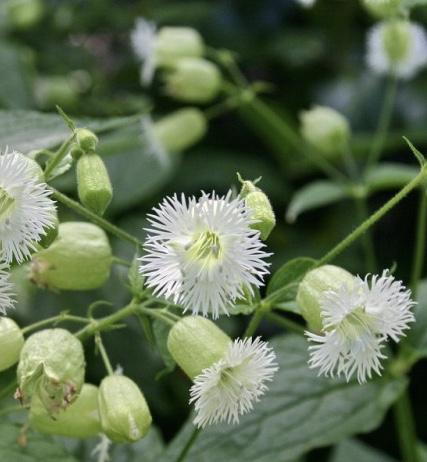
[356,451]
[417,336]
[390,175]
[36,448]
[283,286]
[314,195]
[27,130]
[300,412]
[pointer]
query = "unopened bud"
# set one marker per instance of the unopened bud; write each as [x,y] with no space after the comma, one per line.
[86,140]
[79,259]
[193,80]
[11,343]
[312,288]
[196,343]
[325,128]
[51,365]
[382,8]
[173,43]
[396,39]
[125,416]
[79,420]
[180,130]
[259,207]
[93,183]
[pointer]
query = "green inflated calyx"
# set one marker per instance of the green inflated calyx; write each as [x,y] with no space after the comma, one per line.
[80,258]
[312,288]
[11,343]
[259,207]
[93,183]
[181,129]
[124,413]
[79,420]
[51,366]
[396,39]
[174,43]
[196,343]
[382,8]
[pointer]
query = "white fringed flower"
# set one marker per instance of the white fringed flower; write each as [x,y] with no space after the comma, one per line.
[6,290]
[202,253]
[357,321]
[230,387]
[151,144]
[397,47]
[143,39]
[26,210]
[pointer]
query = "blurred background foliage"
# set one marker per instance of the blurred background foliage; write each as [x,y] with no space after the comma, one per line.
[76,53]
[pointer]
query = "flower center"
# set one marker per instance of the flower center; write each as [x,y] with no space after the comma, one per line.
[205,247]
[355,324]
[6,205]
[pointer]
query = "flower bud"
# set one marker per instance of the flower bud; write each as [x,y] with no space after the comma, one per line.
[52,366]
[325,128]
[396,39]
[181,129]
[23,14]
[86,140]
[93,183]
[311,288]
[193,80]
[11,342]
[382,8]
[79,259]
[259,207]
[173,43]
[196,343]
[79,420]
[125,416]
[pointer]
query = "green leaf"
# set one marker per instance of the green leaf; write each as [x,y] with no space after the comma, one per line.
[300,412]
[28,130]
[314,195]
[161,332]
[38,448]
[421,159]
[388,175]
[283,286]
[417,336]
[356,451]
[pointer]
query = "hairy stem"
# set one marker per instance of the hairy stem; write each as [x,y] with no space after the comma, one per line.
[367,241]
[285,323]
[104,354]
[196,432]
[63,317]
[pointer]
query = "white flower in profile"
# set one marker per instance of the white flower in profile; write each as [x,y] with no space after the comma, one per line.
[202,253]
[230,387]
[397,47]
[143,40]
[6,290]
[26,211]
[152,145]
[357,321]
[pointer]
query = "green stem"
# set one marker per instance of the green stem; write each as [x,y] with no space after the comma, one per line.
[105,224]
[383,123]
[419,250]
[58,157]
[262,309]
[367,241]
[362,228]
[285,323]
[121,262]
[406,428]
[53,320]
[104,355]
[196,432]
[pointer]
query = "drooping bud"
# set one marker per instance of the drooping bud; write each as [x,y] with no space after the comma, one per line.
[382,8]
[11,342]
[325,128]
[79,259]
[174,43]
[196,343]
[93,183]
[313,285]
[86,140]
[181,129]
[124,413]
[52,366]
[193,80]
[79,420]
[260,209]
